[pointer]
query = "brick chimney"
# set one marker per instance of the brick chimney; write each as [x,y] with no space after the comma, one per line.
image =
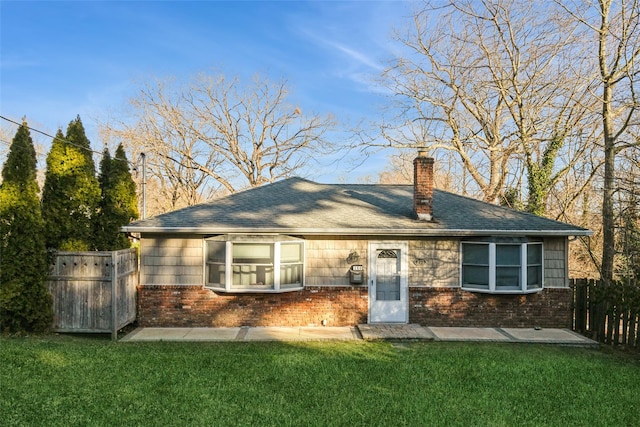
[423,186]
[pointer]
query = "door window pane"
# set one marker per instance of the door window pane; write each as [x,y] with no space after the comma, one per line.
[387,275]
[388,288]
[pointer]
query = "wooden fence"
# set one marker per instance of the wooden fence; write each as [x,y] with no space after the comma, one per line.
[94,291]
[609,314]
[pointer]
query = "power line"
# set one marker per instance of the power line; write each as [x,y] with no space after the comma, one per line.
[8,144]
[62,140]
[134,166]
[142,155]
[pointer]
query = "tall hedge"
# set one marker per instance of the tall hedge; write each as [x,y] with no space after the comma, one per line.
[71,191]
[118,204]
[25,303]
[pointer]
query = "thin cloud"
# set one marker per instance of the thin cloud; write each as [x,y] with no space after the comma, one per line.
[356,56]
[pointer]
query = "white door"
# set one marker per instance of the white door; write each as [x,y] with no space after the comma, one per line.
[388,283]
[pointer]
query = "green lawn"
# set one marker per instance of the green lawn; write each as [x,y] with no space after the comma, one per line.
[64,380]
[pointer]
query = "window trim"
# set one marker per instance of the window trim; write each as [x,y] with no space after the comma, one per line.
[275,240]
[493,289]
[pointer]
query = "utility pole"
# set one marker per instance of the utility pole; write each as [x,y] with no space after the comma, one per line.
[144,185]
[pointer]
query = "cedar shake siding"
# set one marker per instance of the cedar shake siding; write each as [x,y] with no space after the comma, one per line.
[556,263]
[326,260]
[434,263]
[171,260]
[172,292]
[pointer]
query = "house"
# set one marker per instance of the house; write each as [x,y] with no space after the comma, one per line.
[297,252]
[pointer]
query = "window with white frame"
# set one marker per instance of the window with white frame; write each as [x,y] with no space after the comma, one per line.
[502,267]
[254,263]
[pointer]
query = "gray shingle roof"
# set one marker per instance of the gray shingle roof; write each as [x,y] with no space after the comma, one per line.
[298,206]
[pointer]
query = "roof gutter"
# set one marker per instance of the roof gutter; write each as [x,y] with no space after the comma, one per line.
[356,231]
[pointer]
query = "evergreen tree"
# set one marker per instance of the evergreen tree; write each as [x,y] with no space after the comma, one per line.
[25,303]
[71,191]
[118,204]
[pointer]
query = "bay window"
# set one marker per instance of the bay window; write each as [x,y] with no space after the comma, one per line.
[502,267]
[254,263]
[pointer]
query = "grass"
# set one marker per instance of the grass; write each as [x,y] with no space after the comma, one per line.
[64,380]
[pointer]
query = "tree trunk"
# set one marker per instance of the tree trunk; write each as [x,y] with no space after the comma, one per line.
[608,222]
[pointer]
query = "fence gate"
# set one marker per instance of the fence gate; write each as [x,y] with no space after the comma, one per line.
[93,291]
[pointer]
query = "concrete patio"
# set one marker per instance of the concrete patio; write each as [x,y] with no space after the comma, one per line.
[369,332]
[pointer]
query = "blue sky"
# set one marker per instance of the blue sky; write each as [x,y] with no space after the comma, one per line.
[61,59]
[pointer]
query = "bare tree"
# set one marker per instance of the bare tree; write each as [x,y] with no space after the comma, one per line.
[629,207]
[616,26]
[495,83]
[215,135]
[399,170]
[5,142]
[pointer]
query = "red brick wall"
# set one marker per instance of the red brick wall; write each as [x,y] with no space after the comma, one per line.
[550,308]
[423,185]
[195,306]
